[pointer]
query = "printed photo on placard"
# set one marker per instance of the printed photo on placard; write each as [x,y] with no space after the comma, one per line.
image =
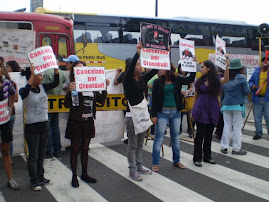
[220,58]
[154,36]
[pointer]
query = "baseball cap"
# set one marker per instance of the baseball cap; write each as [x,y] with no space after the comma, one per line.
[71,58]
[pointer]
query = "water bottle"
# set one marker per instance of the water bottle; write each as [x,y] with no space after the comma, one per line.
[75,98]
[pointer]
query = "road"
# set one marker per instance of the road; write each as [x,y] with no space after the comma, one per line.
[234,178]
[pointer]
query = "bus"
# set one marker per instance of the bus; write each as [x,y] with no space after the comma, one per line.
[22,32]
[112,39]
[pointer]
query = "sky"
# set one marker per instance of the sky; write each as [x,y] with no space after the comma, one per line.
[234,10]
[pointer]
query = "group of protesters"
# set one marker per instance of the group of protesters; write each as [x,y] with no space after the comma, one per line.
[42,132]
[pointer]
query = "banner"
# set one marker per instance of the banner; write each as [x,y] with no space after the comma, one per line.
[15,44]
[186,53]
[220,59]
[43,59]
[4,113]
[90,79]
[249,61]
[154,36]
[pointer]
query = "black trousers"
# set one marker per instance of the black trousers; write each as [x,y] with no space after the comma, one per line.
[202,142]
[36,135]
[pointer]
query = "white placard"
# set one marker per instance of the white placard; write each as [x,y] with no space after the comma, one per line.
[220,59]
[43,59]
[155,59]
[186,53]
[4,113]
[90,79]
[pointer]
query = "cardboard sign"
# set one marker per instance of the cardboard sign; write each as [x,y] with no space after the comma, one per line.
[155,59]
[4,113]
[43,59]
[187,52]
[154,36]
[220,59]
[90,79]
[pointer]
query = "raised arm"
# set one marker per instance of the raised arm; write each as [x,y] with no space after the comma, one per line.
[226,73]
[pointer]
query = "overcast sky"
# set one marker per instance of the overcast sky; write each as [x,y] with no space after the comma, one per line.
[255,12]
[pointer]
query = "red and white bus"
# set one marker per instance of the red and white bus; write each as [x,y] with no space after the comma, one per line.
[21,32]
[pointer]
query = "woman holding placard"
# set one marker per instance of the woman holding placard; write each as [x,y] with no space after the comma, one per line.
[35,102]
[206,110]
[80,127]
[166,106]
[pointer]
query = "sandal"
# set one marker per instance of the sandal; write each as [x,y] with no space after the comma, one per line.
[155,168]
[179,165]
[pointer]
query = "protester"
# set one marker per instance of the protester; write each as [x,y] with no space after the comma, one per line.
[7,91]
[80,127]
[12,66]
[70,60]
[258,84]
[166,106]
[35,102]
[135,89]
[233,108]
[119,78]
[206,110]
[54,138]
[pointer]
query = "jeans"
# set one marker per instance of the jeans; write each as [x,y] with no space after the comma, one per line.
[173,117]
[36,135]
[134,149]
[54,139]
[233,121]
[260,109]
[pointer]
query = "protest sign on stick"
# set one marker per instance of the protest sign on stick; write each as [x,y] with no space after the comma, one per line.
[43,59]
[155,41]
[90,79]
[4,112]
[187,52]
[220,59]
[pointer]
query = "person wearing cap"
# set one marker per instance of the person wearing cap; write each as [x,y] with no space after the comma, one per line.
[233,107]
[70,60]
[260,97]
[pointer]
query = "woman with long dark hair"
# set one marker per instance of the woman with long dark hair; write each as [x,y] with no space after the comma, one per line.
[206,110]
[233,108]
[80,127]
[166,106]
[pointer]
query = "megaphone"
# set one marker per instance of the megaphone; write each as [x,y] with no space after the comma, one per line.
[263,29]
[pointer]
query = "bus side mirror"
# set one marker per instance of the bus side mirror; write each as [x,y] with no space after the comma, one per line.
[263,29]
[84,40]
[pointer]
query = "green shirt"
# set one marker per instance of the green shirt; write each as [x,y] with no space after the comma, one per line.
[151,81]
[48,77]
[169,96]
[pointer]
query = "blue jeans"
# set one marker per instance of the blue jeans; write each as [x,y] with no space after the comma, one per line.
[261,109]
[173,117]
[54,139]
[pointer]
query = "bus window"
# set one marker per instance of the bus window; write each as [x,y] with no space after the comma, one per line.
[16,25]
[131,37]
[46,41]
[62,47]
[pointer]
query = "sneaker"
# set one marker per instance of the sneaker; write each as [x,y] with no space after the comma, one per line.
[88,178]
[211,161]
[198,163]
[145,172]
[48,156]
[241,152]
[256,137]
[36,186]
[224,151]
[135,177]
[45,181]
[12,184]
